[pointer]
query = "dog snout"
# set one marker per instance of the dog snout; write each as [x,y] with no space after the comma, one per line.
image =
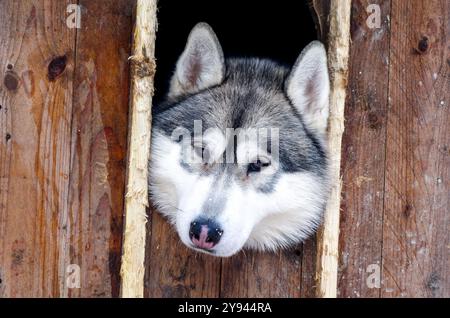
[205,234]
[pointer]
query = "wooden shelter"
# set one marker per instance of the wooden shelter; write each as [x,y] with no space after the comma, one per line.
[74,126]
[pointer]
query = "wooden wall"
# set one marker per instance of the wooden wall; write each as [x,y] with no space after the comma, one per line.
[63,130]
[396,158]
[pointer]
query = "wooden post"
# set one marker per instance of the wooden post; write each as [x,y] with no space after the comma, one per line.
[328,236]
[136,200]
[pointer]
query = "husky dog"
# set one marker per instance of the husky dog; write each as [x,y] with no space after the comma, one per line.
[223,192]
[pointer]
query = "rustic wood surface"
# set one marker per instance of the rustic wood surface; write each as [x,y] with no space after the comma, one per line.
[396,200]
[35,145]
[176,271]
[63,124]
[253,274]
[363,149]
[173,270]
[99,144]
[416,222]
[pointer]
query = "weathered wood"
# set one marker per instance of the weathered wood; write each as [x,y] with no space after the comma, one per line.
[253,274]
[173,270]
[363,150]
[176,271]
[99,143]
[308,270]
[37,61]
[62,166]
[328,235]
[136,201]
[416,236]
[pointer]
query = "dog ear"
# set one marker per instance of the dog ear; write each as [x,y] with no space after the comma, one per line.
[308,86]
[201,65]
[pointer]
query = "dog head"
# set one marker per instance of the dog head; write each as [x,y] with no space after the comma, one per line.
[238,150]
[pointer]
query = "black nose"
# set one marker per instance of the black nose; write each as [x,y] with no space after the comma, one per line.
[205,233]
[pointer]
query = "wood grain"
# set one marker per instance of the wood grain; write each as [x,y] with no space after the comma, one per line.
[253,274]
[35,126]
[363,159]
[63,145]
[416,236]
[308,283]
[99,145]
[173,270]
[64,109]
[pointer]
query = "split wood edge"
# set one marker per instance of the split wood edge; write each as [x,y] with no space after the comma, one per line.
[136,200]
[328,235]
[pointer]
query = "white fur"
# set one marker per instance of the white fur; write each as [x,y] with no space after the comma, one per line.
[250,218]
[292,212]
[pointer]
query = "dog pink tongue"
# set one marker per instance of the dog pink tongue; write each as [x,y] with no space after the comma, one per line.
[201,242]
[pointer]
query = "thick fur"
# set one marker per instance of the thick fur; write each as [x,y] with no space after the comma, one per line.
[278,206]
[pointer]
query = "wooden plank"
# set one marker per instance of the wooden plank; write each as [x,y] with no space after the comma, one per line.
[308,284]
[37,62]
[253,274]
[416,236]
[363,152]
[99,143]
[173,270]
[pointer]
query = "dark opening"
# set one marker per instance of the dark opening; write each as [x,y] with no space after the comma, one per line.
[277,30]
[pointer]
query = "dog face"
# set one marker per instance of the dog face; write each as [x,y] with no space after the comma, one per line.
[238,150]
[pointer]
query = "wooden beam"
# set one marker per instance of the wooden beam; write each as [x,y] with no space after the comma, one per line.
[416,218]
[328,236]
[136,200]
[363,169]
[37,65]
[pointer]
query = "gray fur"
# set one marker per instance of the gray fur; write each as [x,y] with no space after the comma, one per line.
[252,95]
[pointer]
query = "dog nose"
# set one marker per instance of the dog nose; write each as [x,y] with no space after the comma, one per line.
[205,234]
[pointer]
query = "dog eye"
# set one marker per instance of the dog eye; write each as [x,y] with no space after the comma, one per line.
[256,166]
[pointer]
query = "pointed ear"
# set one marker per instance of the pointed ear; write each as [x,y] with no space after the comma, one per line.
[308,86]
[201,65]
